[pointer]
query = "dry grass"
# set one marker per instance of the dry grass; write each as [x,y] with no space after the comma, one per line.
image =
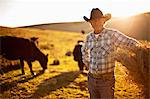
[137,65]
[59,82]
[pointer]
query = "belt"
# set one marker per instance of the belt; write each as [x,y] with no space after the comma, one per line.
[105,75]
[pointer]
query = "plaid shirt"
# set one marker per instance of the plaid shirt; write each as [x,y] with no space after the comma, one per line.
[97,50]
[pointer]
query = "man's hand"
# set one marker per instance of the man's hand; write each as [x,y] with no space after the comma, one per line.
[87,66]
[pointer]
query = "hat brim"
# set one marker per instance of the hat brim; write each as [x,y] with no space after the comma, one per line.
[85,18]
[106,16]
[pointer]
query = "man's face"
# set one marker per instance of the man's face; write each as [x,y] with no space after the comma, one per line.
[97,23]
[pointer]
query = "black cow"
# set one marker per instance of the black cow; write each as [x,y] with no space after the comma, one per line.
[13,48]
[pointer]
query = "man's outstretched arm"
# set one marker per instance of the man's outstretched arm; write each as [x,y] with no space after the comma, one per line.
[124,41]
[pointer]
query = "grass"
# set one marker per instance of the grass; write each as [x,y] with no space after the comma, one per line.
[62,81]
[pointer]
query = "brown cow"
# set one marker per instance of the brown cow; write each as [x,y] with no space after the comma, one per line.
[14,48]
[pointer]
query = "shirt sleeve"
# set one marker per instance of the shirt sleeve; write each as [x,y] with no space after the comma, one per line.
[123,41]
[85,53]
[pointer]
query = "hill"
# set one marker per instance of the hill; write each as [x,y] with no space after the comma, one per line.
[66,26]
[137,26]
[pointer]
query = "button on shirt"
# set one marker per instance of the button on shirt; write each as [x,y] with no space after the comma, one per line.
[97,50]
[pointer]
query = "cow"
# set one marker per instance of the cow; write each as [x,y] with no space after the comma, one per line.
[14,48]
[35,40]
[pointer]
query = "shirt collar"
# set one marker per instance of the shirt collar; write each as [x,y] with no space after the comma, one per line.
[100,34]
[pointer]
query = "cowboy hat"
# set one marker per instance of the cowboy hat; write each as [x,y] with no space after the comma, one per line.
[97,14]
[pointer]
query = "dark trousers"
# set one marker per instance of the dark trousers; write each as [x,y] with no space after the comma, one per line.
[81,65]
[101,88]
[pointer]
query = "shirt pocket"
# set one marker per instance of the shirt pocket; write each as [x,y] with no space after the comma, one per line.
[106,49]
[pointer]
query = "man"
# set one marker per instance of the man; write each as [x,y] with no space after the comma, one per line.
[97,55]
[78,54]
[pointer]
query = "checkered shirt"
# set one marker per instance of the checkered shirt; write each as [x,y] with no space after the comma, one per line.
[97,50]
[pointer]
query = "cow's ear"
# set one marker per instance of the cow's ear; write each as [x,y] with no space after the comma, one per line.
[46,55]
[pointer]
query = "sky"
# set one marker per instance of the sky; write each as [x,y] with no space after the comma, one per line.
[15,13]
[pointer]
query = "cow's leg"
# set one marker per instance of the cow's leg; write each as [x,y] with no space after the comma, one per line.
[30,66]
[22,66]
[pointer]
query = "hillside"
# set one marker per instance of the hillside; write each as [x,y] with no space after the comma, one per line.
[66,26]
[62,81]
[137,26]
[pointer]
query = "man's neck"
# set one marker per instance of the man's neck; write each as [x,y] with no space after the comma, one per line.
[98,31]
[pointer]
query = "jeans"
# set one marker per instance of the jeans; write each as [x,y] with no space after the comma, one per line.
[101,88]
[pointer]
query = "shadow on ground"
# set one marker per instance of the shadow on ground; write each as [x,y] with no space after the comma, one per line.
[7,85]
[54,83]
[5,69]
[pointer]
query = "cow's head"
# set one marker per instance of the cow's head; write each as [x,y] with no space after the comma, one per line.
[44,62]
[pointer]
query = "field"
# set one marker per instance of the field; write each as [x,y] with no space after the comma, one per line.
[62,81]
